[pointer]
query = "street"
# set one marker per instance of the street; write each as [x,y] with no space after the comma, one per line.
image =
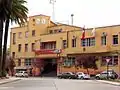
[56,84]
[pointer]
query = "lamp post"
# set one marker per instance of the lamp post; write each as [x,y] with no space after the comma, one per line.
[58,51]
[107,60]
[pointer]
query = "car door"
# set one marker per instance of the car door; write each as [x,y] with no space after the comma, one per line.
[103,75]
[19,73]
[79,75]
[64,75]
[68,75]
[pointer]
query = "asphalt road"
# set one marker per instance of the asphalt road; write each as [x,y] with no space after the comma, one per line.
[57,84]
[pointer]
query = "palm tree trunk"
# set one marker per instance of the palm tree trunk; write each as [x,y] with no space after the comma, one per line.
[5,46]
[1,35]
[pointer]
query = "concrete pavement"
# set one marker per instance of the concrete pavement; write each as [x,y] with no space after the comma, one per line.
[56,84]
[109,82]
[9,80]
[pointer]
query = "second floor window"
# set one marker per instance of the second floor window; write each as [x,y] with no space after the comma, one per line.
[26,34]
[103,40]
[20,35]
[14,38]
[19,48]
[88,42]
[33,32]
[115,39]
[26,47]
[33,46]
[64,44]
[74,42]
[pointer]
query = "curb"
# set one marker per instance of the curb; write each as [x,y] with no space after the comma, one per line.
[109,82]
[9,81]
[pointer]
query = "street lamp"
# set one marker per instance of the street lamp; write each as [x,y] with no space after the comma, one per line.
[58,51]
[107,60]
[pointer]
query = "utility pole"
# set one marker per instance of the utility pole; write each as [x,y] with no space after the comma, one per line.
[53,7]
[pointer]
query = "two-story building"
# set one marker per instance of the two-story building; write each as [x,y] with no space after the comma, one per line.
[44,46]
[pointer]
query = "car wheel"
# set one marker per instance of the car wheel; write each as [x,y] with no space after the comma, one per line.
[59,77]
[98,78]
[82,78]
[69,77]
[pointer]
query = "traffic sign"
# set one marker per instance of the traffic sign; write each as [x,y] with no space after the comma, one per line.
[107,60]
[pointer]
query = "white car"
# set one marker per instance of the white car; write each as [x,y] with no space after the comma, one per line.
[82,75]
[21,74]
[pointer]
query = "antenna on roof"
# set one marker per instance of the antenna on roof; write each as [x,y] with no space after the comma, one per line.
[72,15]
[53,12]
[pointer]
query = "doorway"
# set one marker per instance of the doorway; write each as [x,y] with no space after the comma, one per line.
[50,68]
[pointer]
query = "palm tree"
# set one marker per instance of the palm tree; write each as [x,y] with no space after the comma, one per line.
[17,12]
[2,18]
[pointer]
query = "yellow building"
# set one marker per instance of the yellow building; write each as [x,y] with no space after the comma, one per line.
[46,46]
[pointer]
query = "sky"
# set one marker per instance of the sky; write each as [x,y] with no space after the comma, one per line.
[91,13]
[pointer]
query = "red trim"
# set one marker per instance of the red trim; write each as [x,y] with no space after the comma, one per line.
[45,51]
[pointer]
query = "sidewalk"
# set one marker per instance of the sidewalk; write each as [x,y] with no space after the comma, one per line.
[109,82]
[11,79]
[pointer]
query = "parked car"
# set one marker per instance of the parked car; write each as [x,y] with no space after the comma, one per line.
[69,75]
[111,74]
[21,74]
[82,75]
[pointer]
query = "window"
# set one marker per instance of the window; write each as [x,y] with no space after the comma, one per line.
[56,31]
[13,54]
[115,39]
[69,61]
[73,42]
[33,20]
[19,62]
[60,30]
[20,35]
[103,40]
[28,62]
[113,60]
[26,34]
[14,38]
[26,47]
[64,43]
[19,48]
[88,42]
[33,32]
[33,46]
[51,31]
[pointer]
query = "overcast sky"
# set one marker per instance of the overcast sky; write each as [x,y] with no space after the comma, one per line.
[91,13]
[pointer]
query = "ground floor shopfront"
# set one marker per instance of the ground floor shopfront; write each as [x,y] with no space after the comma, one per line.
[54,63]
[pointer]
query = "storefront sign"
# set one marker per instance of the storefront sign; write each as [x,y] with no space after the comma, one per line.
[45,51]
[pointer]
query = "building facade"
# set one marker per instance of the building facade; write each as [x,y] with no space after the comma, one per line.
[42,41]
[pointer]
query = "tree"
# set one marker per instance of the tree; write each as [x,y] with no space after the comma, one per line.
[16,12]
[10,64]
[2,18]
[86,62]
